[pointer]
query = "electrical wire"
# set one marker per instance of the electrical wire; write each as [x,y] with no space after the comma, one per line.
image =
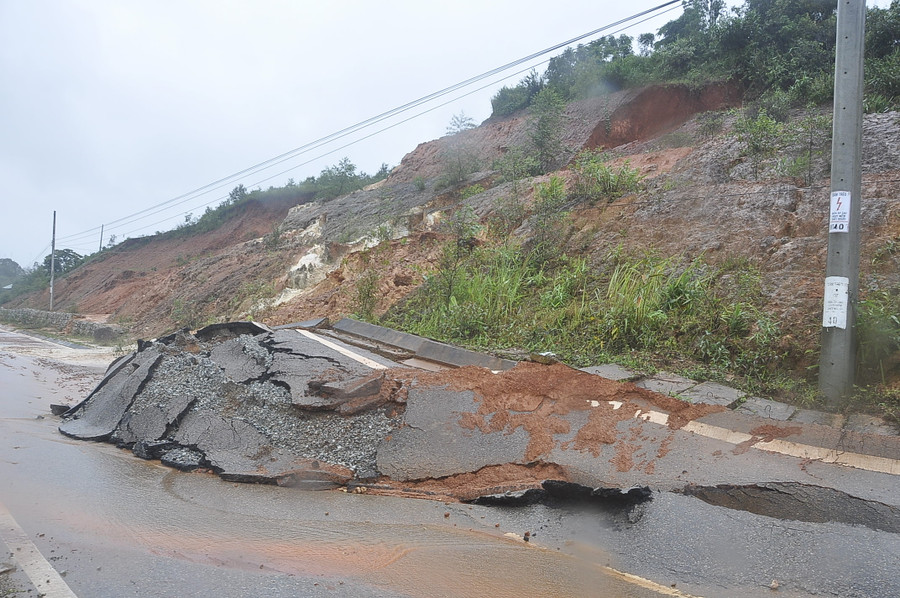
[359,126]
[355,141]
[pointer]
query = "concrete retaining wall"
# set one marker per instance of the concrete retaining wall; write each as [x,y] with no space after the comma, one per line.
[62,321]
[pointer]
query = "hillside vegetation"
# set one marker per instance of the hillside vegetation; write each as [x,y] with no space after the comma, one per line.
[663,209]
[781,51]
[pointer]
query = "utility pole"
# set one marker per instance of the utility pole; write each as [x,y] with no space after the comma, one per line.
[52,259]
[837,366]
[101,238]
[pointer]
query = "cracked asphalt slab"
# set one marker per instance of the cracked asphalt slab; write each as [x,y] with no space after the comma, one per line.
[282,407]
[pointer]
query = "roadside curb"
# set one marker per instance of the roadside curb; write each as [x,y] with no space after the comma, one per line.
[421,347]
[855,426]
[718,394]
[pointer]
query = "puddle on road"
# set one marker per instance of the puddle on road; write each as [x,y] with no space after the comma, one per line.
[386,542]
[382,542]
[800,502]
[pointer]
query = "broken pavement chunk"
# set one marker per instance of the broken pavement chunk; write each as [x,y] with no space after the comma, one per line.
[316,475]
[237,364]
[96,420]
[228,330]
[152,449]
[182,458]
[334,394]
[59,409]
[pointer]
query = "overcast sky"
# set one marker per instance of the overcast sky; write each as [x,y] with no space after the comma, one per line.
[109,107]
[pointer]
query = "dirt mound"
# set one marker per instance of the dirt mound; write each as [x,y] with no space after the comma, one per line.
[660,109]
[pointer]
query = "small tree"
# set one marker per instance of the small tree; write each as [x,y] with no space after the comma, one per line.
[459,155]
[237,194]
[463,226]
[546,128]
[338,180]
[459,123]
[645,43]
[760,137]
[66,260]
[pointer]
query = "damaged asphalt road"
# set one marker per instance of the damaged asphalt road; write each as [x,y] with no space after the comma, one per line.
[562,457]
[290,408]
[269,407]
[302,409]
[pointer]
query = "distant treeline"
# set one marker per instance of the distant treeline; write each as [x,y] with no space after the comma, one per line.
[332,182]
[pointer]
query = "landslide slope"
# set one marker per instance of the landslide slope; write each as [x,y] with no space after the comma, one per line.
[703,195]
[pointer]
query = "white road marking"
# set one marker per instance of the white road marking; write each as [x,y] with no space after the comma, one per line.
[783,447]
[645,583]
[44,577]
[344,351]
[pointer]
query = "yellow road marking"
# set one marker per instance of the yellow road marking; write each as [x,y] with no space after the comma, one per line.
[645,583]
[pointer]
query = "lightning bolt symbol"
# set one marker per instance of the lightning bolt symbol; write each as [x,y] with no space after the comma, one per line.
[839,204]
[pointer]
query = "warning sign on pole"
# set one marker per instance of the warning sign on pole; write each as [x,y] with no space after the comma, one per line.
[840,212]
[837,298]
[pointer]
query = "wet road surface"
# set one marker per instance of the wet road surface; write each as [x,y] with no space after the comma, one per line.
[119,526]
[115,525]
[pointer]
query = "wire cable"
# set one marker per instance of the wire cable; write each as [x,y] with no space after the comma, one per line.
[337,149]
[364,124]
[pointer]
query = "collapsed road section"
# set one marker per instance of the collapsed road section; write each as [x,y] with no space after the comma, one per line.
[249,403]
[305,408]
[289,407]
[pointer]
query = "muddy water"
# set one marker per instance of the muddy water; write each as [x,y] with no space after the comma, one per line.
[114,521]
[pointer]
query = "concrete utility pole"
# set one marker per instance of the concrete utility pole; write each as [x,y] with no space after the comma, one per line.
[837,367]
[52,259]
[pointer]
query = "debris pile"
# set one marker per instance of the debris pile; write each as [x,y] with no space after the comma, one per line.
[293,408]
[249,403]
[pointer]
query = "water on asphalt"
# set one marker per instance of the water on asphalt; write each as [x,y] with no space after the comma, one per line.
[120,526]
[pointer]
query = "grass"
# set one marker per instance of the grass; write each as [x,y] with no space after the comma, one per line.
[596,180]
[642,311]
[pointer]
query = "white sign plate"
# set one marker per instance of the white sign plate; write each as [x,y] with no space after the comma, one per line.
[837,298]
[839,222]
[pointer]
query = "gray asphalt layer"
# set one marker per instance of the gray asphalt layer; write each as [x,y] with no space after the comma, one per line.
[72,492]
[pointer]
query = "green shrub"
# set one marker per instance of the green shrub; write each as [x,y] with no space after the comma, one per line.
[546,219]
[761,137]
[516,165]
[595,180]
[509,100]
[710,124]
[546,128]
[366,299]
[470,191]
[878,334]
[507,215]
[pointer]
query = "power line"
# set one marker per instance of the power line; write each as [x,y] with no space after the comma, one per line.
[355,141]
[359,126]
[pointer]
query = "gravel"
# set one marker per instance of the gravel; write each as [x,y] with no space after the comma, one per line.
[193,382]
